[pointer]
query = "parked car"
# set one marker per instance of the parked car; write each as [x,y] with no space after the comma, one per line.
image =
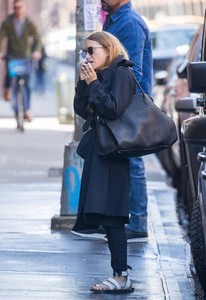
[194,136]
[176,87]
[183,93]
[185,101]
[61,44]
[169,33]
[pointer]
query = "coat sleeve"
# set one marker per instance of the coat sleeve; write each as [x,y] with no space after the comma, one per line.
[3,32]
[81,99]
[112,104]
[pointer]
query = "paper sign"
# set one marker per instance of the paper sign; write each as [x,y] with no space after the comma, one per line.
[92,14]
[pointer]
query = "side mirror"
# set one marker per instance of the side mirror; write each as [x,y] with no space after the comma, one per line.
[160,77]
[197,77]
[187,105]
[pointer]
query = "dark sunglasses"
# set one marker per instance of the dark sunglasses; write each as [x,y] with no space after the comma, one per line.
[89,50]
[17,7]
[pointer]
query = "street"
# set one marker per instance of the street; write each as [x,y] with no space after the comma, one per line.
[38,263]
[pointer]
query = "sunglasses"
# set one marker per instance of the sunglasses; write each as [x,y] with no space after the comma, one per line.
[89,50]
[17,7]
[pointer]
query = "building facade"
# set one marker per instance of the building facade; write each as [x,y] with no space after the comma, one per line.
[151,8]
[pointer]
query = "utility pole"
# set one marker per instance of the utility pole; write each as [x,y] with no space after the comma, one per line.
[88,20]
[81,34]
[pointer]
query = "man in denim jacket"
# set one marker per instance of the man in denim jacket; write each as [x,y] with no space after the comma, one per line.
[128,26]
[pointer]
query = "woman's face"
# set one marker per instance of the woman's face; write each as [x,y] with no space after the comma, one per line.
[96,54]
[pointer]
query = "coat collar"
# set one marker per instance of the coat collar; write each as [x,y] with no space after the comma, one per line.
[107,73]
[121,11]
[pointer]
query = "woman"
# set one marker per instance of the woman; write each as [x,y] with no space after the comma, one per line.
[105,86]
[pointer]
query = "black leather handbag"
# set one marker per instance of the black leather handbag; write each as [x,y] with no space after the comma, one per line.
[143,128]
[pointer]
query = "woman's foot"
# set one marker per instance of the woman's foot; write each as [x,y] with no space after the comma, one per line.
[116,284]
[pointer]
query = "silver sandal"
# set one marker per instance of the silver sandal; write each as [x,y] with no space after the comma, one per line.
[114,287]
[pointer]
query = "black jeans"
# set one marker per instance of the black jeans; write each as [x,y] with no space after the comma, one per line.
[117,242]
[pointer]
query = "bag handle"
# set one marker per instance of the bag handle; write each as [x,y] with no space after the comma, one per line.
[139,86]
[143,93]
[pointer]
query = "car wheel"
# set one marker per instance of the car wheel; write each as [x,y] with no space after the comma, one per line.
[198,244]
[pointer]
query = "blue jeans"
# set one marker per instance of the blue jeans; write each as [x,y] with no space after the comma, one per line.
[9,82]
[138,196]
[26,95]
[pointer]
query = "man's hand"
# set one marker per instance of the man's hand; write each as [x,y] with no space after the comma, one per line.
[36,55]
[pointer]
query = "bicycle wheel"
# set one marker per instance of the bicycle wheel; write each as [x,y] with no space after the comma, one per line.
[20,111]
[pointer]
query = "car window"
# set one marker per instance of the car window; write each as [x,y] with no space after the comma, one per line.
[170,39]
[194,52]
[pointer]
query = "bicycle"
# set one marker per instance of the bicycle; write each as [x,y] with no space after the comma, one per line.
[18,70]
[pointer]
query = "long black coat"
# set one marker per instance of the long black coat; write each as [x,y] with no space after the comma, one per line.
[105,183]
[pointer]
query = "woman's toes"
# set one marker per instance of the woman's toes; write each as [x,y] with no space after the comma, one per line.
[99,287]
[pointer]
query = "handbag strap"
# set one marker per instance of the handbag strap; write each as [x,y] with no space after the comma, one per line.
[143,93]
[139,86]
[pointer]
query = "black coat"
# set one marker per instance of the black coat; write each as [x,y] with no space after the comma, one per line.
[105,183]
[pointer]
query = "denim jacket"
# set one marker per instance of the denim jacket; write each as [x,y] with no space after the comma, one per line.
[128,26]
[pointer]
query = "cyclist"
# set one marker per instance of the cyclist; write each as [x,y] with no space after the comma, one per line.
[23,41]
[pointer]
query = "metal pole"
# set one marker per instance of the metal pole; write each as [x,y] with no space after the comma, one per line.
[81,34]
[86,10]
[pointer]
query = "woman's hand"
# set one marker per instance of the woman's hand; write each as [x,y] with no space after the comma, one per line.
[87,73]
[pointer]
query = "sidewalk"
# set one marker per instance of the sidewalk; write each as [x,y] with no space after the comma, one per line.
[37,263]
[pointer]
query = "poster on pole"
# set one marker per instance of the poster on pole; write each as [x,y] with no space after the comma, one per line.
[92,15]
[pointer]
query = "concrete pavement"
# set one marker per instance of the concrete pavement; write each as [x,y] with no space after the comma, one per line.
[37,263]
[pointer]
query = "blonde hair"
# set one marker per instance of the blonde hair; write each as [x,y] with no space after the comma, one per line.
[16,1]
[111,44]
